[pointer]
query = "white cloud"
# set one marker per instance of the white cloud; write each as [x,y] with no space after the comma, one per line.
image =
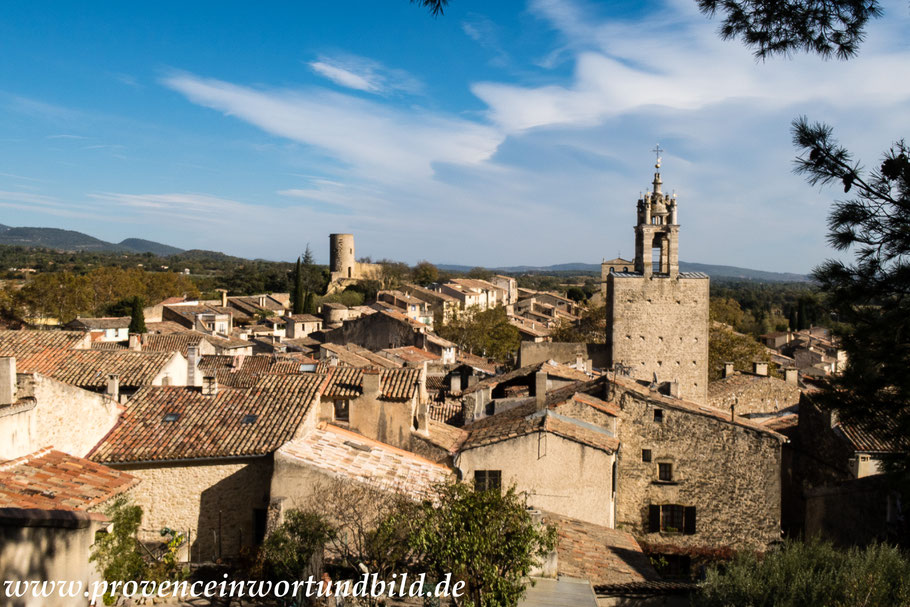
[362,74]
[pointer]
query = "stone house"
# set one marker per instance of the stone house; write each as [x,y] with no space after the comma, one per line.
[692,478]
[411,306]
[509,287]
[443,307]
[200,317]
[301,325]
[352,355]
[37,411]
[106,329]
[388,329]
[204,456]
[473,293]
[534,331]
[564,464]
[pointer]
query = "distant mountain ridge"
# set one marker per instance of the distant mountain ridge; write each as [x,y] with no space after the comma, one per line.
[70,240]
[714,271]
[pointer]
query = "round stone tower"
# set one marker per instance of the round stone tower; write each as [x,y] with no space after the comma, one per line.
[341,256]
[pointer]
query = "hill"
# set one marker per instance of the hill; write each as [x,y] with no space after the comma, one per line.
[70,240]
[140,245]
[714,271]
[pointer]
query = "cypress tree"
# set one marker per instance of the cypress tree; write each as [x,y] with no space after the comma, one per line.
[137,317]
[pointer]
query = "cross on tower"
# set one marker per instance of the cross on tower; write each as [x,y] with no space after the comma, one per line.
[657,150]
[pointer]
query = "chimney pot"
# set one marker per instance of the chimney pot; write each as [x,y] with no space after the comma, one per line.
[113,386]
[135,342]
[728,369]
[209,385]
[7,380]
[192,364]
[370,382]
[791,375]
[760,368]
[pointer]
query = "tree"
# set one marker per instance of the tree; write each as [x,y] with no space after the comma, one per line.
[485,538]
[591,328]
[137,316]
[725,345]
[436,7]
[576,294]
[298,294]
[488,333]
[726,310]
[309,304]
[425,273]
[287,552]
[807,574]
[869,296]
[118,553]
[774,27]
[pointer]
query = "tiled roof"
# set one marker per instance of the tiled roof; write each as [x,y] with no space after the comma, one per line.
[446,411]
[411,354]
[448,437]
[355,356]
[394,384]
[347,455]
[526,419]
[173,342]
[233,422]
[100,324]
[244,371]
[25,342]
[90,368]
[53,480]
[551,368]
[164,327]
[482,364]
[109,345]
[302,318]
[227,343]
[871,437]
[740,380]
[599,554]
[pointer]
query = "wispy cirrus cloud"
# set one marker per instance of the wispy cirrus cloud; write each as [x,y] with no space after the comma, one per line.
[363,74]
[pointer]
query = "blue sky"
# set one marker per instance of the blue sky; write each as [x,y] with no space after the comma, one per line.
[502,133]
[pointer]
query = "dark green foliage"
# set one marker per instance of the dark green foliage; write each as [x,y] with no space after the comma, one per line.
[309,304]
[137,316]
[725,346]
[118,553]
[757,308]
[436,7]
[780,27]
[591,328]
[810,575]
[576,294]
[297,291]
[485,538]
[487,333]
[424,273]
[870,296]
[289,549]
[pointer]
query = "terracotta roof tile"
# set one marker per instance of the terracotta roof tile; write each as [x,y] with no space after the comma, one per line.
[101,323]
[395,384]
[53,480]
[26,342]
[90,368]
[172,342]
[344,454]
[168,423]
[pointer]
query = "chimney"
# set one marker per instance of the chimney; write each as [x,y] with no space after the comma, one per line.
[422,385]
[589,366]
[223,297]
[135,342]
[728,369]
[371,382]
[791,375]
[674,388]
[113,386]
[760,368]
[540,389]
[192,364]
[7,380]
[209,385]
[262,301]
[579,361]
[454,383]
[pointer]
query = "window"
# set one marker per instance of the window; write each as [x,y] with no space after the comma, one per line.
[171,417]
[342,410]
[665,472]
[487,480]
[249,419]
[671,518]
[646,455]
[659,415]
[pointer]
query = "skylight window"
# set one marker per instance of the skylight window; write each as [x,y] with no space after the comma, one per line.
[171,417]
[249,419]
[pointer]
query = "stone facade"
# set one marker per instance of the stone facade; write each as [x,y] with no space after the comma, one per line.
[727,471]
[343,266]
[219,504]
[659,326]
[748,394]
[558,475]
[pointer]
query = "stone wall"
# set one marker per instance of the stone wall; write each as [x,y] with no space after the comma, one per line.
[65,417]
[559,475]
[201,497]
[728,472]
[374,332]
[660,325]
[751,394]
[388,422]
[47,545]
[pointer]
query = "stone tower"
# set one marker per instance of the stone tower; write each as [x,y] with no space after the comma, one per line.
[657,316]
[342,263]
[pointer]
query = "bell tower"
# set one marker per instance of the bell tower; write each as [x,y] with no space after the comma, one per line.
[657,316]
[657,230]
